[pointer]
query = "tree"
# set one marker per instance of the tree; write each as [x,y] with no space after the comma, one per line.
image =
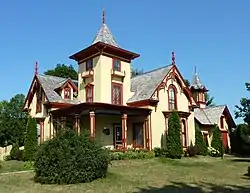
[244,109]
[64,71]
[136,72]
[209,100]
[30,144]
[200,144]
[12,121]
[174,146]
[240,139]
[217,140]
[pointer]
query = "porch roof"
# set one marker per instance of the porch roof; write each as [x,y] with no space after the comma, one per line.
[100,108]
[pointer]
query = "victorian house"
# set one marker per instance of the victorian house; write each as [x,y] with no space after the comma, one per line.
[117,110]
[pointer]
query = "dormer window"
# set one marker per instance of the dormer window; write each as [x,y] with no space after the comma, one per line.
[67,93]
[116,64]
[89,64]
[172,102]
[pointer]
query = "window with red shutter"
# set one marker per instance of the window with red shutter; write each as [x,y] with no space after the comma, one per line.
[116,97]
[89,93]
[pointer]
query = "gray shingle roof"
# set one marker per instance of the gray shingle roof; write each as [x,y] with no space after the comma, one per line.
[104,35]
[144,85]
[49,84]
[209,115]
[196,82]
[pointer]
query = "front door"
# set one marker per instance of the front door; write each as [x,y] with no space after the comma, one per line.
[118,136]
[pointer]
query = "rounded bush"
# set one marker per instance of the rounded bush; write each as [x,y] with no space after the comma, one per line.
[70,158]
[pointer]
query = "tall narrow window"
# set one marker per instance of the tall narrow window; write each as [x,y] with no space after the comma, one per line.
[67,93]
[138,135]
[184,133]
[116,97]
[172,98]
[221,122]
[116,64]
[89,64]
[89,93]
[39,100]
[205,138]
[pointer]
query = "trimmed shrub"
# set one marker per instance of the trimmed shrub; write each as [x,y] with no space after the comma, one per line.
[192,150]
[131,154]
[70,158]
[30,143]
[14,151]
[174,146]
[199,142]
[160,152]
[217,140]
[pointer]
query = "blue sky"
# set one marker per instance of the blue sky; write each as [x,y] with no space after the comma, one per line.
[213,35]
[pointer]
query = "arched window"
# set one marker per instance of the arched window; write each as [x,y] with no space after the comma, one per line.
[172,102]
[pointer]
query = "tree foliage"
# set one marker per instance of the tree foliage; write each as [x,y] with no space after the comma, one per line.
[64,71]
[200,144]
[174,146]
[243,111]
[70,158]
[31,143]
[240,139]
[12,121]
[217,140]
[136,72]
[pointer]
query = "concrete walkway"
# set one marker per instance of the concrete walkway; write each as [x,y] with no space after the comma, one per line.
[17,172]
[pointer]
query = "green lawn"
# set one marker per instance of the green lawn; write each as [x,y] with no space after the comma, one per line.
[196,175]
[12,166]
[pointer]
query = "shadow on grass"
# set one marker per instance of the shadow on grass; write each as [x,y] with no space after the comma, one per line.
[183,163]
[241,160]
[195,188]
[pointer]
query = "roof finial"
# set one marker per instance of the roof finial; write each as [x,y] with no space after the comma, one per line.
[36,68]
[103,16]
[173,58]
[195,69]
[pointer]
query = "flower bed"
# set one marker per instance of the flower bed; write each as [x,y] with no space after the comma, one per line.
[131,154]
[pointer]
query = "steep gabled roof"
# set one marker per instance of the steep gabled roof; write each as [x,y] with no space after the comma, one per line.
[49,84]
[144,85]
[211,115]
[104,35]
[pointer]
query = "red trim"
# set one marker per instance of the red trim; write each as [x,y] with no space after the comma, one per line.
[58,105]
[121,93]
[148,102]
[87,87]
[171,86]
[113,64]
[100,48]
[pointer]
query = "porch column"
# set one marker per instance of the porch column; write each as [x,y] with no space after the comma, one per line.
[63,122]
[124,131]
[77,122]
[41,131]
[148,132]
[92,124]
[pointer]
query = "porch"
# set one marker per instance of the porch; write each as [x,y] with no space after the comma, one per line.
[113,126]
